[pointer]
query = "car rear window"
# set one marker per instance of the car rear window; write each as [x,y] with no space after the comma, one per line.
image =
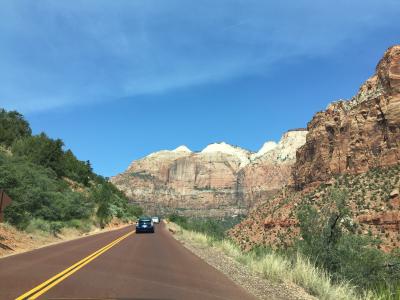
[148,222]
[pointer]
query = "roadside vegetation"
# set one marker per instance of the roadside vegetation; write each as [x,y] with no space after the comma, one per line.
[50,188]
[214,227]
[329,259]
[274,266]
[329,236]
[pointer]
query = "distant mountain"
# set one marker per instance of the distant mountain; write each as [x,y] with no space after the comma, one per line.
[219,180]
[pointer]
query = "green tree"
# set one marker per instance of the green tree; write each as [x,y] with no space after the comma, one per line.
[328,236]
[38,193]
[77,170]
[102,195]
[42,150]
[33,177]
[13,126]
[133,211]
[322,229]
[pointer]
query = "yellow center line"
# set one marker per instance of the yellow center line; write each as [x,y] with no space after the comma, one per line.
[51,282]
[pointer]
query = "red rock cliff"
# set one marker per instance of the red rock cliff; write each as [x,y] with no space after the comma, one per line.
[354,136]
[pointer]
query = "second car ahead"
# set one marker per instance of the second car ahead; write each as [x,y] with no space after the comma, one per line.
[144,225]
[155,220]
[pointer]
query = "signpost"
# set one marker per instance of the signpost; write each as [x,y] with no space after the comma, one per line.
[4,202]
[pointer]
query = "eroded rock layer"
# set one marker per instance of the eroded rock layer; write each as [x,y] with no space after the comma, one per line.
[352,146]
[220,180]
[357,135]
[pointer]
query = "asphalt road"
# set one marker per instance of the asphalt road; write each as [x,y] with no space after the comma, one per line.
[139,266]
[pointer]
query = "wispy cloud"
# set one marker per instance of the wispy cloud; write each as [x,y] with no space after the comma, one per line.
[58,53]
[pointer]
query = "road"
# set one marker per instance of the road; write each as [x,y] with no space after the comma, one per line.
[138,266]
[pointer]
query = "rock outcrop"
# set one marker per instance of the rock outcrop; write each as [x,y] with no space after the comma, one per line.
[352,145]
[357,135]
[220,180]
[270,168]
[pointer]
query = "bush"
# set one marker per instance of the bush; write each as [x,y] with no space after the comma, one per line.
[16,215]
[328,238]
[133,211]
[38,225]
[81,225]
[180,220]
[111,203]
[37,193]
[55,228]
[214,227]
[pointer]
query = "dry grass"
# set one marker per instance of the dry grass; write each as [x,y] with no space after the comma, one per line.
[275,267]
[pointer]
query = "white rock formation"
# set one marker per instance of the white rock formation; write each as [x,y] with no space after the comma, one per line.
[182,148]
[223,147]
[284,151]
[268,146]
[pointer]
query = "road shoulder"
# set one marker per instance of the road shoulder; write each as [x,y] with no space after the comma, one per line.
[237,272]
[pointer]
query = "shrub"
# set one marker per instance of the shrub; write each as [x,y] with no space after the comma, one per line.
[37,193]
[328,238]
[112,203]
[16,215]
[81,225]
[38,224]
[55,228]
[180,220]
[214,227]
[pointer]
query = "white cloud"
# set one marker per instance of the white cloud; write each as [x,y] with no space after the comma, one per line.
[57,53]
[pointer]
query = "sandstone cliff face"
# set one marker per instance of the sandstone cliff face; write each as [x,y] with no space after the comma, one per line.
[354,136]
[270,168]
[220,180]
[358,141]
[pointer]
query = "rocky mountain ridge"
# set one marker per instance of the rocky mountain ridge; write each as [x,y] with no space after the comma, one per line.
[354,146]
[354,136]
[217,181]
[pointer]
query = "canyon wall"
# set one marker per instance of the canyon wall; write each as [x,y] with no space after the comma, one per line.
[357,135]
[354,146]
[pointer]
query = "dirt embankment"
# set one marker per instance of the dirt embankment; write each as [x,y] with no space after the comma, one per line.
[13,241]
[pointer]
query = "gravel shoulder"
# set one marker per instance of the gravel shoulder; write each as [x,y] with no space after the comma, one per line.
[241,275]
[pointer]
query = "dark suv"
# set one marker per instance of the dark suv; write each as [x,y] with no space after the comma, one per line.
[144,225]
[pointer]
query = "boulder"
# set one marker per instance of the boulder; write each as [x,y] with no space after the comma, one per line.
[394,193]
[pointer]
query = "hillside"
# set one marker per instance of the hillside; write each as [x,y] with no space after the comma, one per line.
[50,188]
[220,180]
[354,147]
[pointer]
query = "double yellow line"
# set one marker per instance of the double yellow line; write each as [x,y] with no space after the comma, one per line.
[56,279]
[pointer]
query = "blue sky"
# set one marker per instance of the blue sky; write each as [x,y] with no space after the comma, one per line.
[117,80]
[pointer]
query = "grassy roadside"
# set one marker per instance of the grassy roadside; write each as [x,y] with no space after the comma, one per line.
[278,268]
